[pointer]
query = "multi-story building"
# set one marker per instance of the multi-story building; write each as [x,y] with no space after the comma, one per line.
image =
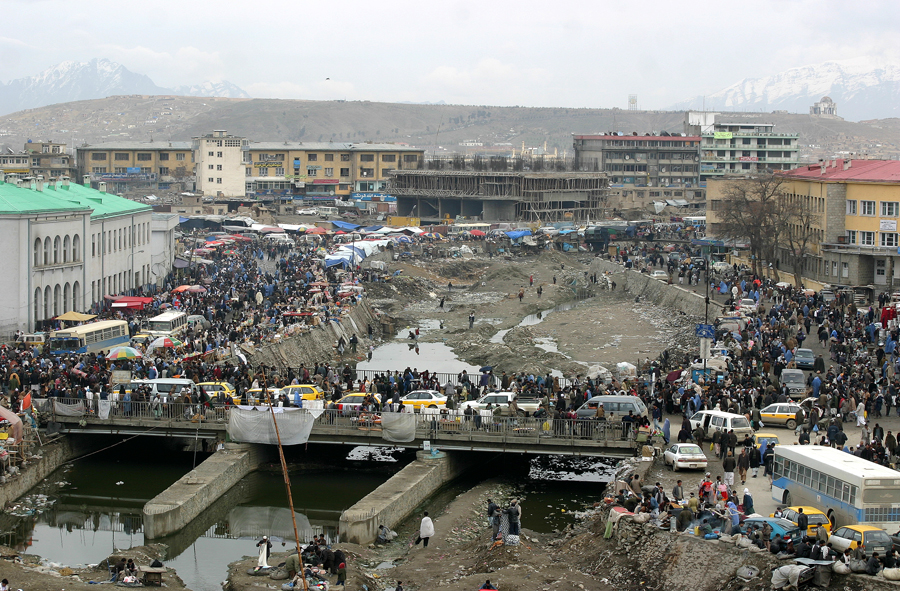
[643,169]
[220,164]
[47,159]
[77,245]
[138,166]
[323,170]
[736,148]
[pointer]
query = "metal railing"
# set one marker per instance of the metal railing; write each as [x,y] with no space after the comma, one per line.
[432,424]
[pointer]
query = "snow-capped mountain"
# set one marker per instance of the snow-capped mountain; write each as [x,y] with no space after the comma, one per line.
[862,89]
[98,78]
[221,89]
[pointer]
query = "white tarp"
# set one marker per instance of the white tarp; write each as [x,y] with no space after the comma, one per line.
[398,427]
[103,407]
[255,426]
[255,522]
[68,410]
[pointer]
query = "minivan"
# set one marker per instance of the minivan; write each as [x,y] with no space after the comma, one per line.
[712,420]
[328,212]
[170,388]
[614,407]
[795,381]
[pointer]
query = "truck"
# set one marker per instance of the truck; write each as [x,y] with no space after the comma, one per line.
[527,406]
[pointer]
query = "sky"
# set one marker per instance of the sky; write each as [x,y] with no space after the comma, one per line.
[592,53]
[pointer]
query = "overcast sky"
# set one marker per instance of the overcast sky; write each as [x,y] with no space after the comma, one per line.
[496,52]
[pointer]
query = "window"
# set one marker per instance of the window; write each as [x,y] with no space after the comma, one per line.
[851,236]
[163,155]
[867,207]
[279,171]
[312,171]
[388,157]
[210,166]
[122,156]
[366,172]
[120,170]
[210,180]
[218,167]
[345,157]
[218,181]
[218,154]
[889,239]
[889,209]
[248,171]
[164,170]
[263,172]
[345,172]
[98,156]
[329,172]
[212,153]
[867,238]
[66,248]
[410,157]
[144,157]
[329,157]
[367,157]
[179,157]
[312,157]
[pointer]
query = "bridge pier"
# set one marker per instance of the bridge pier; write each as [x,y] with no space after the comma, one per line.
[396,499]
[178,505]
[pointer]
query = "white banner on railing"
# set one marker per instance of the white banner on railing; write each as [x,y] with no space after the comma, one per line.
[398,427]
[103,407]
[68,410]
[255,426]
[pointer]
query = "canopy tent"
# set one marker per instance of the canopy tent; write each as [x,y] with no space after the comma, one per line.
[345,225]
[131,303]
[371,229]
[514,234]
[75,317]
[317,230]
[476,232]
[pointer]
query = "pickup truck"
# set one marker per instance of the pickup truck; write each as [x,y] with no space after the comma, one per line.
[527,406]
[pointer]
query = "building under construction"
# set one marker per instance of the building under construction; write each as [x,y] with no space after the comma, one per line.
[529,196]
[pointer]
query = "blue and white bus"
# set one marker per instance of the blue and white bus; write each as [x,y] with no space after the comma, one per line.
[90,338]
[850,490]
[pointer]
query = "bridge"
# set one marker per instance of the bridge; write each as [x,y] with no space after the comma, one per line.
[450,431]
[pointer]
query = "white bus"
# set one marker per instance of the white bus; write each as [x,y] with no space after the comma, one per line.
[168,324]
[848,489]
[90,338]
[697,221]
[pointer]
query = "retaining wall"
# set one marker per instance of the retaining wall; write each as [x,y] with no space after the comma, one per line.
[178,505]
[53,456]
[396,499]
[658,292]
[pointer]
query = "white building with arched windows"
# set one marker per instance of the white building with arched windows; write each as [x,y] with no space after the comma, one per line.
[66,247]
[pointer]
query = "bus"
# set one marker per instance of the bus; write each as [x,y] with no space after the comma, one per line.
[697,221]
[849,489]
[90,338]
[168,324]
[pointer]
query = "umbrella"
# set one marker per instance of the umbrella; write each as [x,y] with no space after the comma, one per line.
[196,289]
[486,368]
[181,288]
[165,342]
[340,232]
[673,375]
[124,353]
[476,233]
[317,230]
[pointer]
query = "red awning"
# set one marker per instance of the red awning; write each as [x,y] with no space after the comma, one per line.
[132,303]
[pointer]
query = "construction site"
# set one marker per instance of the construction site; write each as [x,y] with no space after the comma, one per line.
[541,197]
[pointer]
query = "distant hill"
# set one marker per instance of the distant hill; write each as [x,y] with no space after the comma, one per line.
[433,127]
[98,78]
[862,89]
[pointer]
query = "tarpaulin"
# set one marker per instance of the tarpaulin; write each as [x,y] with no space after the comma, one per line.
[255,522]
[103,407]
[255,426]
[398,427]
[14,421]
[514,234]
[345,225]
[68,410]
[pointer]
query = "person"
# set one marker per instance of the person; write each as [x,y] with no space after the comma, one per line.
[728,466]
[487,585]
[471,319]
[265,549]
[743,464]
[399,586]
[385,535]
[341,574]
[747,502]
[515,513]
[493,512]
[873,565]
[802,521]
[705,527]
[4,585]
[426,530]
[293,564]
[678,492]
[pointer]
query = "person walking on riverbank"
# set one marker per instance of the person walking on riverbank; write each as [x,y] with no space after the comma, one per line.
[426,530]
[471,319]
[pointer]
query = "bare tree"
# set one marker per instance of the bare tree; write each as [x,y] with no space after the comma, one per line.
[799,222]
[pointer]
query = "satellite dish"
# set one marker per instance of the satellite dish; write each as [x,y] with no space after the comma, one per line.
[627,157]
[331,193]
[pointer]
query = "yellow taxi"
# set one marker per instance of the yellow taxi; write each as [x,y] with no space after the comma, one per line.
[761,439]
[255,395]
[815,518]
[419,399]
[213,389]
[871,538]
[142,338]
[303,392]
[780,413]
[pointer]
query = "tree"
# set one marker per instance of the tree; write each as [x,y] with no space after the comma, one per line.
[800,222]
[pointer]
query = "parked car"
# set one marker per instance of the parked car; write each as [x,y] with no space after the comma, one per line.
[308,211]
[659,274]
[300,392]
[711,420]
[502,399]
[748,305]
[614,407]
[685,455]
[780,526]
[780,413]
[872,539]
[350,403]
[213,389]
[762,440]
[255,396]
[795,381]
[419,399]
[815,518]
[805,358]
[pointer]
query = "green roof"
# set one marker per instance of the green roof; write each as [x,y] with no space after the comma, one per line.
[21,200]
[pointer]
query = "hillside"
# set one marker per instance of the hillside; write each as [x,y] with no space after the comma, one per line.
[140,117]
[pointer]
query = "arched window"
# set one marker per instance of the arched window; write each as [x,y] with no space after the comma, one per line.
[56,245]
[76,295]
[66,247]
[37,252]
[57,294]
[48,297]
[47,256]
[76,248]
[67,291]
[37,304]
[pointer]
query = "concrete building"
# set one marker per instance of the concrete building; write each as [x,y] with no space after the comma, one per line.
[734,148]
[323,170]
[138,167]
[643,169]
[74,245]
[541,197]
[220,164]
[824,108]
[50,160]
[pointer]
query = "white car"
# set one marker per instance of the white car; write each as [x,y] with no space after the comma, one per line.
[308,211]
[749,305]
[685,455]
[548,231]
[419,399]
[659,274]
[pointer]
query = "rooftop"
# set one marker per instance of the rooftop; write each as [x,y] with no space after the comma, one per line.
[131,145]
[332,146]
[860,171]
[25,200]
[660,138]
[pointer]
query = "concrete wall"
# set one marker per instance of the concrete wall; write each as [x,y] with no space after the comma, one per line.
[53,456]
[178,505]
[655,291]
[396,499]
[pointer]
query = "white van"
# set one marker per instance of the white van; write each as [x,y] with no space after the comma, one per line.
[328,212]
[712,420]
[168,388]
[795,380]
